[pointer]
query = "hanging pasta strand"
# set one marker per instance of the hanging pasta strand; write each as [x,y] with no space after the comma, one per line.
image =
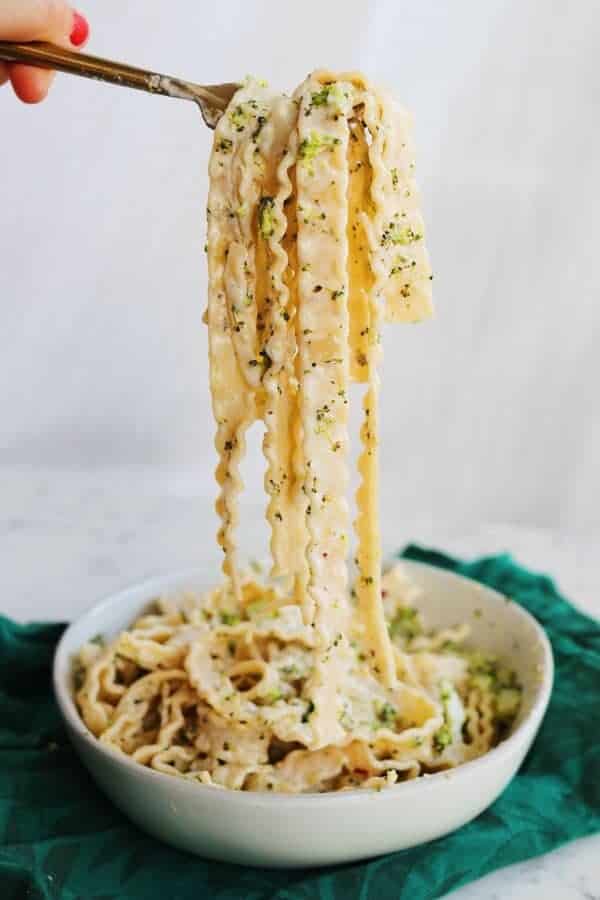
[360,276]
[322,185]
[314,237]
[368,554]
[277,225]
[236,303]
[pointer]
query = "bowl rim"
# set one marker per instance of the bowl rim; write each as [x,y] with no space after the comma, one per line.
[505,748]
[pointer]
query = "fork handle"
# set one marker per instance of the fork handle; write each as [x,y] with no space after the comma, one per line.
[50,56]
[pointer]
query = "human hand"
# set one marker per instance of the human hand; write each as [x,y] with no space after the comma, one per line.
[37,20]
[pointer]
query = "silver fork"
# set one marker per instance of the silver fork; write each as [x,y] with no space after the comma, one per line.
[212,99]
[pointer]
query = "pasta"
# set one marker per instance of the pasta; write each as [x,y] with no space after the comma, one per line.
[213,692]
[302,681]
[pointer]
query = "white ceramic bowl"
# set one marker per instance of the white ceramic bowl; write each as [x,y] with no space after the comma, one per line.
[308,830]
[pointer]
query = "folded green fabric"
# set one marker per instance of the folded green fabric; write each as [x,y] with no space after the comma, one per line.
[62,839]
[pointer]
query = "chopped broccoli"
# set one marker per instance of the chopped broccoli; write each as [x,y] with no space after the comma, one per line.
[405,623]
[508,701]
[273,696]
[393,234]
[442,738]
[228,618]
[310,708]
[386,713]
[239,117]
[266,220]
[320,98]
[333,95]
[311,146]
[482,681]
[446,691]
[257,607]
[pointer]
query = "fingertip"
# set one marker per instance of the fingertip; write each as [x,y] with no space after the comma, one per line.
[31,85]
[80,31]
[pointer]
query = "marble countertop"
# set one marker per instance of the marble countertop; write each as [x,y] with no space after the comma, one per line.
[70,537]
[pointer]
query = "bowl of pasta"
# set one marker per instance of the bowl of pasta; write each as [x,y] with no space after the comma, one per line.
[191,715]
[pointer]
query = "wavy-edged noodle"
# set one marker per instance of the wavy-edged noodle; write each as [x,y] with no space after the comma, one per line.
[400,230]
[479,724]
[148,653]
[244,140]
[314,237]
[360,274]
[233,405]
[96,710]
[236,713]
[322,188]
[368,553]
[277,227]
[129,728]
[172,720]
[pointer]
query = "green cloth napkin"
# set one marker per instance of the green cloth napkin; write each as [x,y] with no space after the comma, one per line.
[62,839]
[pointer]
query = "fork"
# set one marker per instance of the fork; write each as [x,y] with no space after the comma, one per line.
[212,99]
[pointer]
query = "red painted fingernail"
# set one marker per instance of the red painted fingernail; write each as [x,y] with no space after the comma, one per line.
[80,31]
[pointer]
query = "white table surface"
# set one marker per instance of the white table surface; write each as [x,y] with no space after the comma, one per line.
[70,537]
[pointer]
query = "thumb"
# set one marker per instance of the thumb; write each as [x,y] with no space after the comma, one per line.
[35,20]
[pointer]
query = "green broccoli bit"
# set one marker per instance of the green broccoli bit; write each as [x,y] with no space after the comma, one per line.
[310,708]
[229,618]
[446,691]
[320,98]
[405,623]
[332,94]
[482,664]
[482,681]
[393,234]
[257,608]
[315,144]
[239,117]
[386,713]
[273,696]
[442,739]
[508,701]
[266,219]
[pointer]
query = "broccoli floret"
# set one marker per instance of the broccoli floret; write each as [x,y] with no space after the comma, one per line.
[333,95]
[405,623]
[266,219]
[393,234]
[386,713]
[442,739]
[508,702]
[229,618]
[315,144]
[239,117]
[482,681]
[273,696]
[257,607]
[310,708]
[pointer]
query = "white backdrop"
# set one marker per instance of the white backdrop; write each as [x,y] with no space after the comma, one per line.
[490,412]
